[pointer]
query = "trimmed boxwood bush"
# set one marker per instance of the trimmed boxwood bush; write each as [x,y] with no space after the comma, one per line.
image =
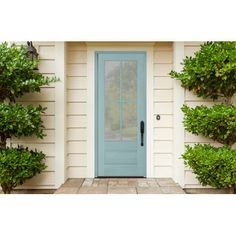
[18,77]
[211,72]
[213,166]
[18,165]
[217,122]
[18,120]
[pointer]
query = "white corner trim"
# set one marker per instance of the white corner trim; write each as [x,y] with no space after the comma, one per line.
[60,114]
[149,113]
[91,49]
[178,117]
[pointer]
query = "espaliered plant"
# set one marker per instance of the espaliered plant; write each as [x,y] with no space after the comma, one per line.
[211,73]
[18,77]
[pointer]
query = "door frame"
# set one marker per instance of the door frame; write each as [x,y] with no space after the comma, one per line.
[92,48]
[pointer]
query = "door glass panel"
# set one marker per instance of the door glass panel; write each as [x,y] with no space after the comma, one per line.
[112,80]
[120,100]
[112,100]
[129,80]
[112,121]
[129,121]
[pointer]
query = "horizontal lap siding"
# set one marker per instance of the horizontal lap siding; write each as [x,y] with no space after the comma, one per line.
[46,98]
[192,100]
[163,106]
[76,110]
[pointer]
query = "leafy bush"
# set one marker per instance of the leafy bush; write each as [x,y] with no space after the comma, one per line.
[217,122]
[18,165]
[17,77]
[211,72]
[17,74]
[213,166]
[18,120]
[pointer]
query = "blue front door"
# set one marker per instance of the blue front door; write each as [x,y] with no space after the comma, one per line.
[120,114]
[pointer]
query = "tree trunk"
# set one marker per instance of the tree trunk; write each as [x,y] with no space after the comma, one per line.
[3,141]
[228,100]
[6,189]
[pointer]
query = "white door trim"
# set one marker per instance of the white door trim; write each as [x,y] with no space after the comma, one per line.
[91,50]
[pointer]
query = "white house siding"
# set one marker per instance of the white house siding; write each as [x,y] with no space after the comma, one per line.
[46,98]
[76,110]
[163,106]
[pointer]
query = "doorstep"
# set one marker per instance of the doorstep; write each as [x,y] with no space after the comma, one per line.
[120,186]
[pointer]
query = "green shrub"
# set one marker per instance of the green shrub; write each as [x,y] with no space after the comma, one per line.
[17,74]
[211,72]
[217,122]
[18,120]
[213,166]
[18,165]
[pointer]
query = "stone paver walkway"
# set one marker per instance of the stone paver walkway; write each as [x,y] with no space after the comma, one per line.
[120,186]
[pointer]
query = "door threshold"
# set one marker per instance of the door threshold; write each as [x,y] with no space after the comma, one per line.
[121,177]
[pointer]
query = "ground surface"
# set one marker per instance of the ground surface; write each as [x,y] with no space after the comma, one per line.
[120,186]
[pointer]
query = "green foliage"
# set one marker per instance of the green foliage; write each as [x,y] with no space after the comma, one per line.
[213,166]
[17,74]
[217,122]
[18,120]
[211,72]
[18,165]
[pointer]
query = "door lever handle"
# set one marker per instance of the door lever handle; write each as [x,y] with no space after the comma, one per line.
[142,131]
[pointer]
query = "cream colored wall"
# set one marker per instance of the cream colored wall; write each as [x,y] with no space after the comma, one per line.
[47,99]
[76,110]
[163,105]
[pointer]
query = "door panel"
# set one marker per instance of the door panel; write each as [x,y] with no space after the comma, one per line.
[120,107]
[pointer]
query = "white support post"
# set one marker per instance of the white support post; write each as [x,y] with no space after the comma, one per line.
[60,114]
[178,117]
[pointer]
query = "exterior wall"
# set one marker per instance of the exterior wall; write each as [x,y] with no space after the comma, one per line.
[47,99]
[163,106]
[77,117]
[76,110]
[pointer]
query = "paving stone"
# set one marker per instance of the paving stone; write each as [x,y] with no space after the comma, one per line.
[100,183]
[87,182]
[92,190]
[166,182]
[149,190]
[172,190]
[122,190]
[132,182]
[73,182]
[118,182]
[142,183]
[67,190]
[206,191]
[147,183]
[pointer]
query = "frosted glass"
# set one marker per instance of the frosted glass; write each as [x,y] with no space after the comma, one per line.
[120,100]
[129,121]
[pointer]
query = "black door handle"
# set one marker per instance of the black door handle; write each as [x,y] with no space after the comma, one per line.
[142,131]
